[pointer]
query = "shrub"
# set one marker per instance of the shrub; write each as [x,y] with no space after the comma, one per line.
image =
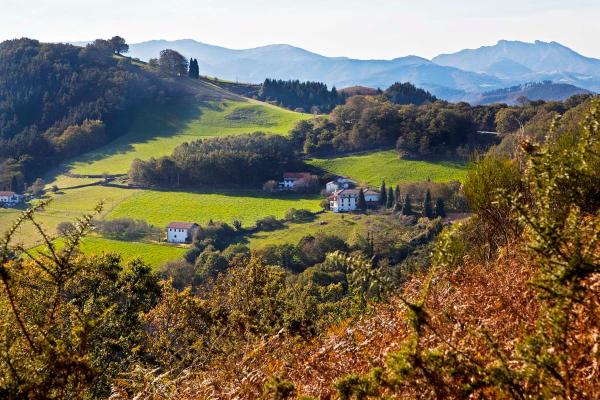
[269,223]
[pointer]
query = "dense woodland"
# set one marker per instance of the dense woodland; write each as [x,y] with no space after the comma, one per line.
[313,97]
[435,128]
[58,101]
[248,159]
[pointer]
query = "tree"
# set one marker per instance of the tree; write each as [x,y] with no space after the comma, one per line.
[194,69]
[427,206]
[397,194]
[171,63]
[407,206]
[14,184]
[383,199]
[118,45]
[362,202]
[440,208]
[390,198]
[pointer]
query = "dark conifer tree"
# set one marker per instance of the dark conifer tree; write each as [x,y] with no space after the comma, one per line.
[397,194]
[427,206]
[383,199]
[407,206]
[362,202]
[14,184]
[390,198]
[440,208]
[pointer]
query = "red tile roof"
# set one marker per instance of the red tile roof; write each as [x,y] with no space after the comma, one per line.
[181,225]
[8,194]
[296,175]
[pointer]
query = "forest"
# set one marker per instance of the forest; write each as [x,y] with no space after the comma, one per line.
[249,159]
[58,101]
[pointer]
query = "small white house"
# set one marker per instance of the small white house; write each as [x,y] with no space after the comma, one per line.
[10,199]
[181,232]
[339,184]
[346,200]
[291,178]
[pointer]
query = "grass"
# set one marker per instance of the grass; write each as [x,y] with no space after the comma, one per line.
[156,131]
[161,207]
[371,168]
[64,207]
[336,224]
[153,254]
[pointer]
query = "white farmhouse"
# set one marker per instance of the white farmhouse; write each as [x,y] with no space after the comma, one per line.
[346,200]
[291,178]
[10,199]
[181,232]
[339,184]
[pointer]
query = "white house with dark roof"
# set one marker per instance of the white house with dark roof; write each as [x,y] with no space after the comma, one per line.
[181,232]
[10,199]
[346,200]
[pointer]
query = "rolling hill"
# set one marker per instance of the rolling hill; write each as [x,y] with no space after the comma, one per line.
[456,77]
[532,91]
[288,62]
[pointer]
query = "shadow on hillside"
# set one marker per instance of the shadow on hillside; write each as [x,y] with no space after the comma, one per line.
[152,122]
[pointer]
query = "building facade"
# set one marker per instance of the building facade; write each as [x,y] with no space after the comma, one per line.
[181,232]
[10,199]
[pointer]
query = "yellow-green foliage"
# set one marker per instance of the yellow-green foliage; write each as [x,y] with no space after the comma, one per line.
[372,168]
[156,131]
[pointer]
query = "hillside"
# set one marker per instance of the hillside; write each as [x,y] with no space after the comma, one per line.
[60,100]
[288,62]
[457,76]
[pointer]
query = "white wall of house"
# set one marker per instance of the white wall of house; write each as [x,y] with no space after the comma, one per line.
[178,235]
[331,187]
[372,197]
[11,199]
[343,204]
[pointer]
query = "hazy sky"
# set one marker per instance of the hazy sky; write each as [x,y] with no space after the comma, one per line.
[359,29]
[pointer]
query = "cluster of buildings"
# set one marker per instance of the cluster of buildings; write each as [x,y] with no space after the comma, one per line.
[10,199]
[342,195]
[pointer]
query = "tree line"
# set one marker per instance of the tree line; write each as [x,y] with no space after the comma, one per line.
[313,97]
[433,128]
[249,159]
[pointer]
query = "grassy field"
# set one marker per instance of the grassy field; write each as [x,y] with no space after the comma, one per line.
[372,168]
[153,254]
[156,131]
[336,224]
[64,207]
[161,207]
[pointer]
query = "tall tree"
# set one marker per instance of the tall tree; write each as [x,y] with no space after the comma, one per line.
[407,206]
[397,194]
[171,63]
[427,205]
[440,208]
[118,45]
[362,202]
[383,199]
[390,198]
[194,69]
[14,184]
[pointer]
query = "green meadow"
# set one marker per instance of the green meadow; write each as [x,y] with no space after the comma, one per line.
[153,254]
[371,168]
[155,131]
[161,207]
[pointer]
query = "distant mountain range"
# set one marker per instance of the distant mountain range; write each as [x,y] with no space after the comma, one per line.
[464,75]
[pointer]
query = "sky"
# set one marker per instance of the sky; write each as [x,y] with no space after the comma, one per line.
[365,29]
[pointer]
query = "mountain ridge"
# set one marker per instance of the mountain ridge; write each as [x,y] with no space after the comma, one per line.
[459,76]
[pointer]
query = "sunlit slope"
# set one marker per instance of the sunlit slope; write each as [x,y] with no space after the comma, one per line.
[371,168]
[155,131]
